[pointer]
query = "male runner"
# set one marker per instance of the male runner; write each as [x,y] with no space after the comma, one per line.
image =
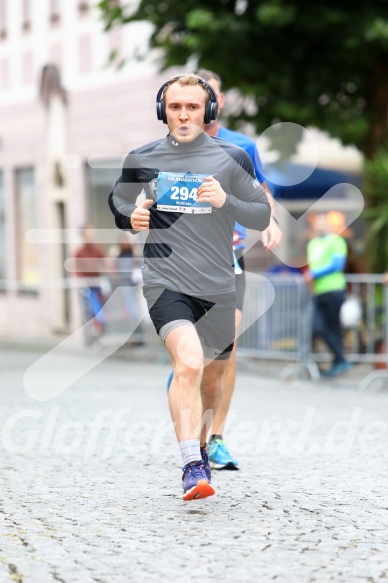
[197,188]
[219,456]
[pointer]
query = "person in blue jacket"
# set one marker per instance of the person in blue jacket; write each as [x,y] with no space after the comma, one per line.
[219,455]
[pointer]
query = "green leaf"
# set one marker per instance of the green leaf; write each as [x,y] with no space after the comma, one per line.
[199,18]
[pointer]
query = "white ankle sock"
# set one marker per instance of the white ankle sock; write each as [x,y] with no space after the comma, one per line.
[190,451]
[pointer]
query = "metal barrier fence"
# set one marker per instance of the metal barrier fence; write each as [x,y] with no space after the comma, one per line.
[113,309]
[284,331]
[367,340]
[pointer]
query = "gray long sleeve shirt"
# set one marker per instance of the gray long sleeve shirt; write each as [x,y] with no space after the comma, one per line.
[188,248]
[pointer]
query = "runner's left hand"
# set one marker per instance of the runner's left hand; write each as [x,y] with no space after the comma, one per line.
[272,236]
[211,191]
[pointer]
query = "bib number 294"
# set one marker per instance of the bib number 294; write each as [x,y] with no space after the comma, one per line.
[183,193]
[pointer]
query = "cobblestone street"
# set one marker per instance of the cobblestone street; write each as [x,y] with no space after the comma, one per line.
[91,492]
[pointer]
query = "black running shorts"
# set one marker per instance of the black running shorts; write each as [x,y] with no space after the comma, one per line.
[213,320]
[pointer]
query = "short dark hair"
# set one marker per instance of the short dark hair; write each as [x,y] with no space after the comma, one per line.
[186,79]
[208,75]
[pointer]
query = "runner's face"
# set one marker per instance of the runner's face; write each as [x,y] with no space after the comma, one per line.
[185,110]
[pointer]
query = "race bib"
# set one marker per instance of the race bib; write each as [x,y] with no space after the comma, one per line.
[177,192]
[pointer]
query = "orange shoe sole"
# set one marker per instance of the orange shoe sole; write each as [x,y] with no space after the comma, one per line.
[201,490]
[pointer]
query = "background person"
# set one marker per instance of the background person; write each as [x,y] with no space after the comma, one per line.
[90,265]
[326,259]
[127,275]
[219,455]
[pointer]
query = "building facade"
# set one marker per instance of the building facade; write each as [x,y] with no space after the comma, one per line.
[67,119]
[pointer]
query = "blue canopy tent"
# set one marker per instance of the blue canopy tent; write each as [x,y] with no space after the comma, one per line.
[294,181]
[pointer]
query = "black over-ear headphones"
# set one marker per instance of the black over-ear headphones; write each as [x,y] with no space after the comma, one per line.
[211,108]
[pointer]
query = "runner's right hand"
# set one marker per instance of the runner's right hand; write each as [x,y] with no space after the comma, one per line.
[140,218]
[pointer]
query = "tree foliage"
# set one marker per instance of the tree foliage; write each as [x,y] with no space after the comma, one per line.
[376,190]
[318,63]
